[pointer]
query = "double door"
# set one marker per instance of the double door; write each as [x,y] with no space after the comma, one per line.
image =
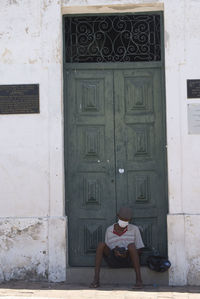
[114,154]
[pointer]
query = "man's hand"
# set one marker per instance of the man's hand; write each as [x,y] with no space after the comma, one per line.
[118,253]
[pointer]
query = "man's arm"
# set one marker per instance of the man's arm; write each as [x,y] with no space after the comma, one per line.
[138,240]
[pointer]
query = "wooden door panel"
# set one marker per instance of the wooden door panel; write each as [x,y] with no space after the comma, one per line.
[140,186]
[138,93]
[90,163]
[140,142]
[139,138]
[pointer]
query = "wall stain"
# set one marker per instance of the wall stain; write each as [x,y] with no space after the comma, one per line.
[6,52]
[57,50]
[193,276]
[7,235]
[6,56]
[32,61]
[30,263]
[11,2]
[46,4]
[31,274]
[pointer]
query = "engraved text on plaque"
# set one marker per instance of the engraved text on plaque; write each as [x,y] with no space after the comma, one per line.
[19,99]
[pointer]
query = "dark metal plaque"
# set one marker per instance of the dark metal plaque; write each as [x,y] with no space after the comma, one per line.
[193,89]
[19,99]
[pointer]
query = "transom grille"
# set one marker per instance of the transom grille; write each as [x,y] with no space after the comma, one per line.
[118,38]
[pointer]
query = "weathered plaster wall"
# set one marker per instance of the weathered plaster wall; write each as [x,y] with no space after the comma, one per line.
[31,151]
[31,169]
[23,244]
[182,48]
[32,248]
[183,244]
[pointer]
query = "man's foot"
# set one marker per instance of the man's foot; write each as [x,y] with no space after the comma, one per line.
[95,284]
[138,285]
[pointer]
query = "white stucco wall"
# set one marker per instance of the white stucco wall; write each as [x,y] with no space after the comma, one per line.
[31,151]
[182,48]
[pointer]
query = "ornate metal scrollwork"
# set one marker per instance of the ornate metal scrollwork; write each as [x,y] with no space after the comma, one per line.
[118,38]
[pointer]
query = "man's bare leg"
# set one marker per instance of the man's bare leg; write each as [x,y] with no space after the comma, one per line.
[101,249]
[136,263]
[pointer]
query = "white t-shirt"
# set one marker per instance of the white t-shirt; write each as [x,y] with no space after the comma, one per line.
[132,235]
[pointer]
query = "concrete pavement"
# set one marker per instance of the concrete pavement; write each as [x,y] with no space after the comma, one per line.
[16,290]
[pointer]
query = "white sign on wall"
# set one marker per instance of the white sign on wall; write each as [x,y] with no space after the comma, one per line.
[193,118]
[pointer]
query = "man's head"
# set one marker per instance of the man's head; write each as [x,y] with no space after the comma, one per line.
[124,215]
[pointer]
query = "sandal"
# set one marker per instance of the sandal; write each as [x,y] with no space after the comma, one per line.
[94,284]
[138,285]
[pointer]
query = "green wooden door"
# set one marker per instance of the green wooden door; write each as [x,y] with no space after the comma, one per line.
[115,154]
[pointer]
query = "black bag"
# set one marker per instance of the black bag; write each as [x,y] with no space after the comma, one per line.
[158,263]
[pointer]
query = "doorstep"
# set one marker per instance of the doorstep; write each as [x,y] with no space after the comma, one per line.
[84,275]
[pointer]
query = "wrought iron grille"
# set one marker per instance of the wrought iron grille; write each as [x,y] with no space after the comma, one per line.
[118,38]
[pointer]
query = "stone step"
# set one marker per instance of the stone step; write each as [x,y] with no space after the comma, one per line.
[84,275]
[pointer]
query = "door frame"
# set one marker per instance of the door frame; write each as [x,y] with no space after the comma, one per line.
[90,10]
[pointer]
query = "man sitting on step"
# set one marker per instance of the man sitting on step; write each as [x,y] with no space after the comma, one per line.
[121,248]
